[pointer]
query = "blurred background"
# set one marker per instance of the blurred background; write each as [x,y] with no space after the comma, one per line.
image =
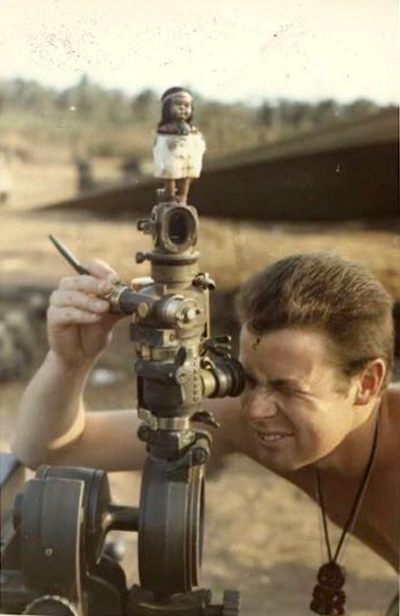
[298,102]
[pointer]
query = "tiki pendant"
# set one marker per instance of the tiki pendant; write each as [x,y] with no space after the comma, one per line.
[328,596]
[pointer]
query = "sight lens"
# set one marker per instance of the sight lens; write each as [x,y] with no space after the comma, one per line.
[179,226]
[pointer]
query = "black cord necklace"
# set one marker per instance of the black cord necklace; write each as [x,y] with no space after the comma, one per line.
[328,596]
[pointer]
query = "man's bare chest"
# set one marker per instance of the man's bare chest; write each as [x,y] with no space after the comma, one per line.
[376,522]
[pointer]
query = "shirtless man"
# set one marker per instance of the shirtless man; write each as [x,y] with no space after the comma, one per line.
[317,347]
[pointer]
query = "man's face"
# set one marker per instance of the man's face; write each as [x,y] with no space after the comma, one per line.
[181,106]
[293,402]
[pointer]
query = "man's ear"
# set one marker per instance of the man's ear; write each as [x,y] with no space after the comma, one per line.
[370,381]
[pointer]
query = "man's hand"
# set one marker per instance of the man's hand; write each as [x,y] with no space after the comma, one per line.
[78,320]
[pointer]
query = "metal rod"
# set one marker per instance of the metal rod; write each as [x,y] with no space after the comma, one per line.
[67,254]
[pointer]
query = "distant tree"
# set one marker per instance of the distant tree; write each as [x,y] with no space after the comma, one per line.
[78,96]
[284,111]
[266,114]
[300,114]
[87,95]
[294,114]
[360,108]
[145,105]
[119,108]
[390,107]
[27,95]
[65,99]
[326,112]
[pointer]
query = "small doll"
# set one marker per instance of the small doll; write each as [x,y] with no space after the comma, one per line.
[178,145]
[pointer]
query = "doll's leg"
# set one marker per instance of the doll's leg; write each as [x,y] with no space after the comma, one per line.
[170,188]
[183,189]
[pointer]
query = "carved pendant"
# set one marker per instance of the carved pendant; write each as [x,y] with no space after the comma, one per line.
[328,596]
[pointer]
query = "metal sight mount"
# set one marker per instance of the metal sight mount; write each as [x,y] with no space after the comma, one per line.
[54,562]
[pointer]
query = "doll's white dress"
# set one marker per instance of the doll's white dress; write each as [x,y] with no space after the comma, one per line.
[178,156]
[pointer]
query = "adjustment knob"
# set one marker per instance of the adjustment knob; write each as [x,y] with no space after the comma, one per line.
[203,281]
[190,314]
[141,257]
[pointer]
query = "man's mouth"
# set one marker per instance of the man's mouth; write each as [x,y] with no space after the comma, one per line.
[271,437]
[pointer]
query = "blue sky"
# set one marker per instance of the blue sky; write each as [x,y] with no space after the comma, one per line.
[225,49]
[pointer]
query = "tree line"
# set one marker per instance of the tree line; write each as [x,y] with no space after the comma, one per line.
[228,126]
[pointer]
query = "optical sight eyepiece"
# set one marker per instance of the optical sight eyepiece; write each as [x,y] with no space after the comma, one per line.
[177,228]
[223,377]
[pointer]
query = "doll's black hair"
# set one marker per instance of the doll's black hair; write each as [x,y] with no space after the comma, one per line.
[166,106]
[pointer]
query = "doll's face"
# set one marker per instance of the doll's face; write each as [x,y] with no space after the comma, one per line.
[181,106]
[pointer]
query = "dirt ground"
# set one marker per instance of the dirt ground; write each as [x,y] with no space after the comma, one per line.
[262,534]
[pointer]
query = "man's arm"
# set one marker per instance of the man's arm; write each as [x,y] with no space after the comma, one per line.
[53,427]
[52,415]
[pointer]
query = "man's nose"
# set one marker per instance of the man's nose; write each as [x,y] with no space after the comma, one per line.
[260,406]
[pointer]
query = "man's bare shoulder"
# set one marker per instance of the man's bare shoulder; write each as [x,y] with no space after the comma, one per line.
[391,399]
[390,416]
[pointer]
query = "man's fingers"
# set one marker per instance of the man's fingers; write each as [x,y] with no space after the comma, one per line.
[87,284]
[78,299]
[101,269]
[71,316]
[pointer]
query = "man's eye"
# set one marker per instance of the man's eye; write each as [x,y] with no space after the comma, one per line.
[250,382]
[286,390]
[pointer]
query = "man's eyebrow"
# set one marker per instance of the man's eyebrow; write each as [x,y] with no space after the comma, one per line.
[285,383]
[282,382]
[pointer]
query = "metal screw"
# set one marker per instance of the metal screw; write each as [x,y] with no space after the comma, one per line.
[191,314]
[142,310]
